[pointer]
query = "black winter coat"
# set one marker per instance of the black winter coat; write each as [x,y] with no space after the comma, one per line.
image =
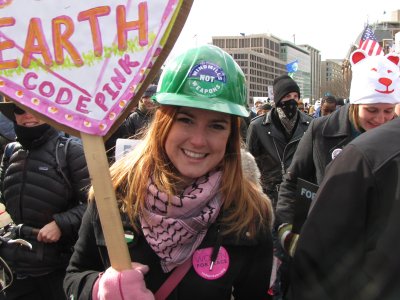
[35,193]
[273,153]
[250,263]
[349,245]
[137,121]
[325,137]
[132,125]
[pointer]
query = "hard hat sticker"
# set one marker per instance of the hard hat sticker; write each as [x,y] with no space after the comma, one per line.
[207,79]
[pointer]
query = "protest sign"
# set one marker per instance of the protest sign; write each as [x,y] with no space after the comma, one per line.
[124,146]
[81,66]
[305,194]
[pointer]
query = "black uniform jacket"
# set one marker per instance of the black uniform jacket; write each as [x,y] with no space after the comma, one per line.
[325,137]
[250,263]
[131,126]
[273,153]
[349,245]
[35,193]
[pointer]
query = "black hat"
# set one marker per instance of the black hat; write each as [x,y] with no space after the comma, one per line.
[266,106]
[151,90]
[7,109]
[284,85]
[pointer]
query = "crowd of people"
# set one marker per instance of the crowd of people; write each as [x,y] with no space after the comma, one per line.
[212,195]
[322,107]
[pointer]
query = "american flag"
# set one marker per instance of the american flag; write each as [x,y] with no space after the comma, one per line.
[369,43]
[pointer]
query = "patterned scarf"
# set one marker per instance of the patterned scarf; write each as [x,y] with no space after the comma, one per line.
[175,229]
[287,123]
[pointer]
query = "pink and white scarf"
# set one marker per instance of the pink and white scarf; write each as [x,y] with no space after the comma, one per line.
[175,229]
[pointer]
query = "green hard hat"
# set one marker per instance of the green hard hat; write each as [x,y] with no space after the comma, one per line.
[205,77]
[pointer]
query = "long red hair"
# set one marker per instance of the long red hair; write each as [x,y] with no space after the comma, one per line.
[246,208]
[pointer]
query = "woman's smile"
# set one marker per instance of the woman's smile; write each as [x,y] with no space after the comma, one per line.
[197,141]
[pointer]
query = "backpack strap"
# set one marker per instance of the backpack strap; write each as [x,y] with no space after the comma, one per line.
[61,158]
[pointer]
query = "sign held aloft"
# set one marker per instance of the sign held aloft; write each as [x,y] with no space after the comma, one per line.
[81,66]
[79,63]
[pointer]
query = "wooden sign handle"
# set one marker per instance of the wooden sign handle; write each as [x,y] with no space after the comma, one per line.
[106,201]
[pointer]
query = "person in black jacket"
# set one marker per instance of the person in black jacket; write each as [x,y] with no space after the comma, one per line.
[135,123]
[143,114]
[349,245]
[184,196]
[327,136]
[272,139]
[7,133]
[35,194]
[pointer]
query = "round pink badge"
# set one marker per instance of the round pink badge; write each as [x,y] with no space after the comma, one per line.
[202,263]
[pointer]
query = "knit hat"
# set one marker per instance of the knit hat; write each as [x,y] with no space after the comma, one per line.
[375,79]
[284,85]
[150,91]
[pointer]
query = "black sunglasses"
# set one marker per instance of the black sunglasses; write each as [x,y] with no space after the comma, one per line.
[18,111]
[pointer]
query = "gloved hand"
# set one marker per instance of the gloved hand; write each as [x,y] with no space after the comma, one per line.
[125,285]
[287,238]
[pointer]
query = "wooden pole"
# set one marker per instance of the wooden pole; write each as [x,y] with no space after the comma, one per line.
[106,201]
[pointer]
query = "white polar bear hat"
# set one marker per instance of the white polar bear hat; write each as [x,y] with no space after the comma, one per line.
[375,79]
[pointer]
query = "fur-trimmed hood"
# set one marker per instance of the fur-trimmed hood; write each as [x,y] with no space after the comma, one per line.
[250,168]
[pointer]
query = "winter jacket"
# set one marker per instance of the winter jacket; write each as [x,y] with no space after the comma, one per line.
[324,139]
[349,244]
[35,194]
[132,125]
[137,121]
[7,133]
[250,263]
[273,153]
[6,128]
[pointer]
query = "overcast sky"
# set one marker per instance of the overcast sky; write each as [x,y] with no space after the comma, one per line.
[329,26]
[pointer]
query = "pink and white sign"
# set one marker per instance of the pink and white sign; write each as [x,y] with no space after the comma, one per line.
[79,62]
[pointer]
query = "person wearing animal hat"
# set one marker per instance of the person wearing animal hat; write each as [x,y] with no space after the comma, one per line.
[374,93]
[272,139]
[39,193]
[348,247]
[184,195]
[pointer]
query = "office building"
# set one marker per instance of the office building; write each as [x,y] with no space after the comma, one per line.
[263,57]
